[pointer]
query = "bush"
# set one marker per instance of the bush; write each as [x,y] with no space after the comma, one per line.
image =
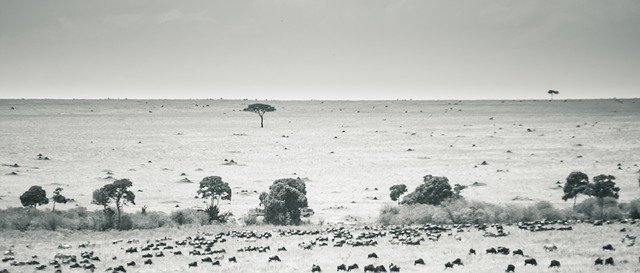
[250,219]
[633,208]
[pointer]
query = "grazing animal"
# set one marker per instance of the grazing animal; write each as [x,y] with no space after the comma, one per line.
[372,255]
[609,261]
[554,263]
[282,249]
[41,267]
[380,268]
[274,259]
[148,255]
[193,264]
[518,252]
[370,267]
[207,260]
[394,268]
[472,251]
[550,248]
[457,261]
[530,261]
[448,265]
[491,251]
[598,261]
[342,267]
[352,267]
[316,268]
[418,261]
[233,260]
[215,263]
[148,261]
[608,247]
[119,269]
[511,268]
[131,263]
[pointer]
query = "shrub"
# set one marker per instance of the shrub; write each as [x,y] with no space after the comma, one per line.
[433,191]
[180,218]
[250,219]
[633,208]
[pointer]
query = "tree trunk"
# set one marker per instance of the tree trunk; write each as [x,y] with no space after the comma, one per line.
[261,121]
[118,208]
[574,201]
[54,207]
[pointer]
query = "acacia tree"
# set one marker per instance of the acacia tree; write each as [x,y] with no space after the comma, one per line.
[433,191]
[260,109]
[397,191]
[58,198]
[553,92]
[577,183]
[33,197]
[283,202]
[603,186]
[213,187]
[118,192]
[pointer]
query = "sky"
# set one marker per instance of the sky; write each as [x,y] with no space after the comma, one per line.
[312,49]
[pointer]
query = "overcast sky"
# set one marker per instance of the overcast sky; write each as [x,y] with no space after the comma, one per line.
[305,49]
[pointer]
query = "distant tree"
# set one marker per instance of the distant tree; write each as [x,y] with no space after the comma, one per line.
[457,189]
[553,92]
[118,192]
[283,202]
[260,109]
[213,187]
[397,191]
[58,198]
[577,183]
[433,191]
[34,197]
[603,186]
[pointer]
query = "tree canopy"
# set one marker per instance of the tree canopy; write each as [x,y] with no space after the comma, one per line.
[396,191]
[260,109]
[34,196]
[577,183]
[118,192]
[213,187]
[58,198]
[433,191]
[283,202]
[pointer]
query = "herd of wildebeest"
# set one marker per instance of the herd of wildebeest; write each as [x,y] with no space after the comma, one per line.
[208,249]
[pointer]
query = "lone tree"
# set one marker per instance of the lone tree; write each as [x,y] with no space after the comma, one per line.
[603,186]
[213,187]
[283,202]
[34,197]
[118,192]
[397,191]
[433,191]
[577,183]
[260,109]
[457,190]
[553,92]
[58,198]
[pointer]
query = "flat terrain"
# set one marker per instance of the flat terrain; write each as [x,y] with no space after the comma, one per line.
[344,149]
[576,250]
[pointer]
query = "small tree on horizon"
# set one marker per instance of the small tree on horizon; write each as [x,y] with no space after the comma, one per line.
[577,183]
[553,92]
[260,109]
[33,197]
[58,198]
[603,186]
[118,192]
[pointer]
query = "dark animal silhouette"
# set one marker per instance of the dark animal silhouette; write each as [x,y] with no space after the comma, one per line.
[372,255]
[370,267]
[148,261]
[518,252]
[342,267]
[608,247]
[491,251]
[418,261]
[554,263]
[448,265]
[193,264]
[274,259]
[394,268]
[511,268]
[352,267]
[472,251]
[316,268]
[609,261]
[457,261]
[131,263]
[530,261]
[233,260]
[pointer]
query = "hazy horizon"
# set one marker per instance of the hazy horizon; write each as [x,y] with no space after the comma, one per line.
[301,50]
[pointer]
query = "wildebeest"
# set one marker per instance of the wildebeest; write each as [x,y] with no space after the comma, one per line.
[119,269]
[518,252]
[372,255]
[342,267]
[274,259]
[233,260]
[394,268]
[457,261]
[448,265]
[472,251]
[609,261]
[380,268]
[207,260]
[550,248]
[503,250]
[193,264]
[598,261]
[491,251]
[530,261]
[316,268]
[282,249]
[352,267]
[215,263]
[418,261]
[554,263]
[511,268]
[131,263]
[370,267]
[148,261]
[608,247]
